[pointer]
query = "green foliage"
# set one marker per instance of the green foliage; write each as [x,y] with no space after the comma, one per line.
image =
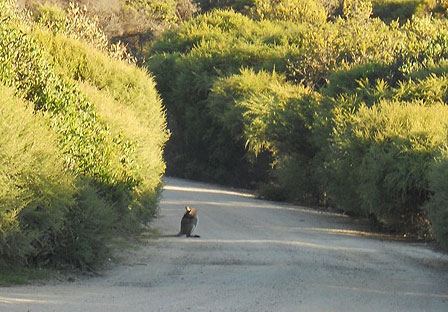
[73,22]
[385,152]
[425,46]
[35,191]
[344,109]
[196,55]
[125,28]
[441,8]
[88,148]
[299,11]
[84,239]
[79,173]
[401,10]
[367,82]
[188,61]
[341,45]
[436,207]
[164,9]
[269,115]
[357,9]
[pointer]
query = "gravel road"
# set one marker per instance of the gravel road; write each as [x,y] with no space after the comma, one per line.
[253,255]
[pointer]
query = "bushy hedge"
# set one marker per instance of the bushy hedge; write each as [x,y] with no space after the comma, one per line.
[263,109]
[118,89]
[348,112]
[96,174]
[187,62]
[299,11]
[392,118]
[402,10]
[380,159]
[437,206]
[36,191]
[83,137]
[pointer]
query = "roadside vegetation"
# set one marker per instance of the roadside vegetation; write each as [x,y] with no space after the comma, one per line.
[341,105]
[82,133]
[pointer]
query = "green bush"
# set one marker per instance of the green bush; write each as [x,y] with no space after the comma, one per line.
[270,115]
[187,62]
[46,216]
[334,110]
[72,22]
[89,148]
[436,207]
[299,11]
[115,86]
[357,9]
[341,45]
[84,239]
[425,46]
[196,55]
[384,153]
[401,10]
[113,169]
[35,190]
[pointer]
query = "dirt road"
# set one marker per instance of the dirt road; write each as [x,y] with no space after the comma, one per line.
[253,255]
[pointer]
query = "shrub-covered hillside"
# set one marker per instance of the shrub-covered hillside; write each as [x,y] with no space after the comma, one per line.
[340,105]
[82,134]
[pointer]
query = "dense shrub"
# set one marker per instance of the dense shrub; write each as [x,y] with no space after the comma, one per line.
[87,232]
[72,22]
[349,111]
[114,169]
[35,190]
[188,61]
[384,153]
[116,87]
[401,10]
[46,216]
[437,206]
[274,116]
[89,148]
[300,11]
[341,45]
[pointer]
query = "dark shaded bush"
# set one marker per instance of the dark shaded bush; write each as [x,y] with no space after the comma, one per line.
[436,207]
[401,10]
[84,239]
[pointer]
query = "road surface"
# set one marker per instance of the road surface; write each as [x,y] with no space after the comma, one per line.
[253,255]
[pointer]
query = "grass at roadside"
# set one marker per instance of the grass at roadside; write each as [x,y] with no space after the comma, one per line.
[18,275]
